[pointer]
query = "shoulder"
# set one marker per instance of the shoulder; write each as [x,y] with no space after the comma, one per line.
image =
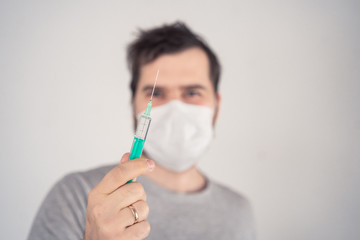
[62,212]
[71,191]
[238,209]
[231,200]
[75,187]
[227,193]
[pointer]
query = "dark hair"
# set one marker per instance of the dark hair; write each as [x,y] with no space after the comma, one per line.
[174,38]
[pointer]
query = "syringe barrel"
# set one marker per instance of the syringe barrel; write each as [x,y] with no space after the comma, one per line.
[140,136]
[142,128]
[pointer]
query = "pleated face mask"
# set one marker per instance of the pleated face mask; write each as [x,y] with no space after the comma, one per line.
[179,134]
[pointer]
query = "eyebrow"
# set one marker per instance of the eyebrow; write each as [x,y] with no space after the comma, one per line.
[192,86]
[149,87]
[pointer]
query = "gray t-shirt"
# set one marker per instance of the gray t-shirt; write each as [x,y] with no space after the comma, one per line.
[213,213]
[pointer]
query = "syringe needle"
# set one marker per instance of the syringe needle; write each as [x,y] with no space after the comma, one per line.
[157,74]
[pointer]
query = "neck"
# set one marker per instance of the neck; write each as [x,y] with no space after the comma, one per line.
[192,180]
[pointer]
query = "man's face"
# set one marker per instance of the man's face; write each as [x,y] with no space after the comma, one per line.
[183,76]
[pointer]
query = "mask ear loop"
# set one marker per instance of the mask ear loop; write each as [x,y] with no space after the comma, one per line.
[214,120]
[216,113]
[134,116]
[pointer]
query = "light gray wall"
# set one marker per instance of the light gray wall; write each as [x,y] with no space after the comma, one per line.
[288,136]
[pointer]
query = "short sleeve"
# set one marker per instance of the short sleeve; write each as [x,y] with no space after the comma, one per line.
[62,213]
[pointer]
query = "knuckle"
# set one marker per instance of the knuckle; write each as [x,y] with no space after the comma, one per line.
[144,208]
[144,196]
[143,230]
[137,166]
[98,211]
[120,170]
[146,228]
[147,209]
[106,232]
[138,189]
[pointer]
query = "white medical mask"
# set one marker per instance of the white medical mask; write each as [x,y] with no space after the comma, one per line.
[179,134]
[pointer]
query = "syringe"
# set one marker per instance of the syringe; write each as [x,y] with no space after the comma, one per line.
[142,128]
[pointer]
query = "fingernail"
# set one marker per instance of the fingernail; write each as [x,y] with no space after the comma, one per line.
[150,164]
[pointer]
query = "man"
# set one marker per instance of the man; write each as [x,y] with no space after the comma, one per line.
[183,203]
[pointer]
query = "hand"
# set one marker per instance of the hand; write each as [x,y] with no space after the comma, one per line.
[108,215]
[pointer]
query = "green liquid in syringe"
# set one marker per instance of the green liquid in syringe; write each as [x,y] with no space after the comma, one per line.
[137,148]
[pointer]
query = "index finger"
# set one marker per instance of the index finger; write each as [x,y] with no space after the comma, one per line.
[123,172]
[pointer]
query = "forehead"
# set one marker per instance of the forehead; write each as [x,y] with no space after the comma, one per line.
[188,67]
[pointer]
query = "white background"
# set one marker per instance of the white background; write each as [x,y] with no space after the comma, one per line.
[288,136]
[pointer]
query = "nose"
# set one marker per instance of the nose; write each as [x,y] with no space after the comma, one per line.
[173,95]
[169,95]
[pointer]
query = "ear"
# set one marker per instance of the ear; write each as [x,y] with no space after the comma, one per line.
[134,115]
[217,107]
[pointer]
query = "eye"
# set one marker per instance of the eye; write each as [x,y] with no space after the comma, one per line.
[156,94]
[192,93]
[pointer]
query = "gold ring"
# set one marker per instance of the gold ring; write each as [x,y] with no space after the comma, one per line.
[135,213]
